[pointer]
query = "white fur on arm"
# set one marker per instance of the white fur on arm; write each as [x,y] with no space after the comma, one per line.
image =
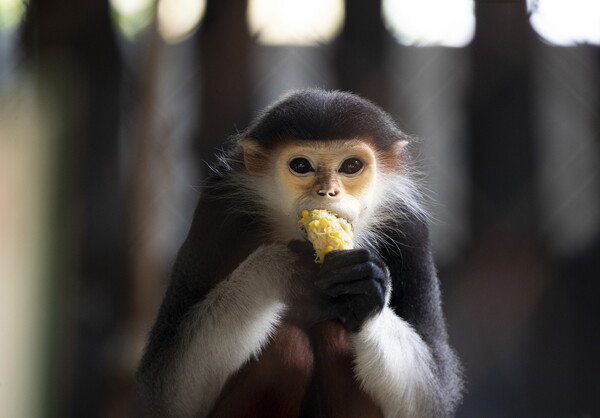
[228,327]
[394,366]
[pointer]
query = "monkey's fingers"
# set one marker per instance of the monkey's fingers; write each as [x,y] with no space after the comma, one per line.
[349,274]
[337,259]
[362,286]
[353,310]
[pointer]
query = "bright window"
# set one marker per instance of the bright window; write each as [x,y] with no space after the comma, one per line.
[11,13]
[177,19]
[293,22]
[566,23]
[430,22]
[131,16]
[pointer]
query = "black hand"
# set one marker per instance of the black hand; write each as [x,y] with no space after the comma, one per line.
[355,283]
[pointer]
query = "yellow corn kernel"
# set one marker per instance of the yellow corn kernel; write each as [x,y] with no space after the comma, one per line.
[326,231]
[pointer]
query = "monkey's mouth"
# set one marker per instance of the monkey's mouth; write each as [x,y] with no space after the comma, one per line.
[339,212]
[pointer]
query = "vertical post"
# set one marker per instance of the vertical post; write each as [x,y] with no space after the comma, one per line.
[505,269]
[71,46]
[361,52]
[226,74]
[500,105]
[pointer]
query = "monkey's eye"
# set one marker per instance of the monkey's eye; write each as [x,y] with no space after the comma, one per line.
[300,165]
[351,166]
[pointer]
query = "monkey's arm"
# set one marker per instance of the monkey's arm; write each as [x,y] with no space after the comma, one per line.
[402,357]
[391,361]
[404,352]
[222,302]
[395,366]
[219,334]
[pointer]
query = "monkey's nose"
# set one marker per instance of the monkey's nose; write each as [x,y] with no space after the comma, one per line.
[328,192]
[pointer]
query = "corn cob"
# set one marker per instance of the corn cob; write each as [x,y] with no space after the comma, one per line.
[326,231]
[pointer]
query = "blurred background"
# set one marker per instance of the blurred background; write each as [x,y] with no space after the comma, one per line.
[109,111]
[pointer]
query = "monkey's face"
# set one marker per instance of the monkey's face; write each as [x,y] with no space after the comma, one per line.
[347,177]
[336,175]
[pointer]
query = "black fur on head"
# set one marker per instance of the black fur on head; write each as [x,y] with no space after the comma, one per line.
[316,114]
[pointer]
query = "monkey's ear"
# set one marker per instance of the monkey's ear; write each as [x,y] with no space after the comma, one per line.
[392,158]
[256,157]
[399,147]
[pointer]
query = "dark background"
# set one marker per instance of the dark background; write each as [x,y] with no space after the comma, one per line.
[509,141]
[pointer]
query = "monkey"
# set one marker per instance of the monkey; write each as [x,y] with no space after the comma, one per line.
[251,326]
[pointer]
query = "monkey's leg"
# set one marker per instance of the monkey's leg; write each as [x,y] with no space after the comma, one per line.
[341,394]
[273,385]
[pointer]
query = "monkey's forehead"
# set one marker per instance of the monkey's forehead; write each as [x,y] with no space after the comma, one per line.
[326,150]
[331,144]
[323,115]
[335,144]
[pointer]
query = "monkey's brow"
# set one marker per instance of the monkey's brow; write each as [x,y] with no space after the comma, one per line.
[328,143]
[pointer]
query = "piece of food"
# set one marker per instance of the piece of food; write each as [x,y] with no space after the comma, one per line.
[326,231]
